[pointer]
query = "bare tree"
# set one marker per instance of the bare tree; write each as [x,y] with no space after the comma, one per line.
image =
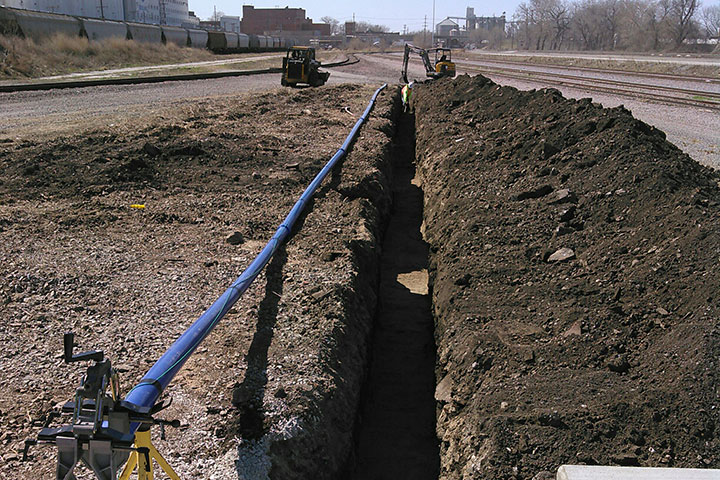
[710,19]
[335,28]
[682,13]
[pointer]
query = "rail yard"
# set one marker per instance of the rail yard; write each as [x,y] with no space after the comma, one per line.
[509,278]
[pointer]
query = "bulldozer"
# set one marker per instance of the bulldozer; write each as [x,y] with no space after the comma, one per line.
[300,66]
[443,66]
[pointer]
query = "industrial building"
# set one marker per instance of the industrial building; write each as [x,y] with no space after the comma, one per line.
[267,21]
[162,12]
[450,33]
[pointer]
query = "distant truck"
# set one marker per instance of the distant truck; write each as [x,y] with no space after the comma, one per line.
[300,66]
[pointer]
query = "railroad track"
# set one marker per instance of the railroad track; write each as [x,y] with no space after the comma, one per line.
[660,93]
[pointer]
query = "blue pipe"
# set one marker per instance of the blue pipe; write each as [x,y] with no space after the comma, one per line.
[147,392]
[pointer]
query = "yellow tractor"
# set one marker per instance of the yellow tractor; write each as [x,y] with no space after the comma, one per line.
[300,66]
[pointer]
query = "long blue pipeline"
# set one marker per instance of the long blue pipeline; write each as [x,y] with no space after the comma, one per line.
[147,392]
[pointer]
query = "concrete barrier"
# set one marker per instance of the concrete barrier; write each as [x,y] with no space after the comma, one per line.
[596,472]
[176,35]
[96,29]
[141,32]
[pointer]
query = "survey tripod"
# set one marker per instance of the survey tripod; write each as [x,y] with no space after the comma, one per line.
[104,431]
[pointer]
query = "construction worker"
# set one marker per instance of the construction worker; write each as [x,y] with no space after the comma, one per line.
[407,96]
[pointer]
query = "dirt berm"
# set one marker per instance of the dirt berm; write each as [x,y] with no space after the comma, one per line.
[575,266]
[273,391]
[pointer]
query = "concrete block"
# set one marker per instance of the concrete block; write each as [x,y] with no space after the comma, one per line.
[597,472]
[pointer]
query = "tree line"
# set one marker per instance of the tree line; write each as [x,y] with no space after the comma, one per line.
[612,24]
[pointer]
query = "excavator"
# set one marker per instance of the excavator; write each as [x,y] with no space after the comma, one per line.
[443,67]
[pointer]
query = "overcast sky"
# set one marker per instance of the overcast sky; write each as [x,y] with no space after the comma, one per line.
[393,14]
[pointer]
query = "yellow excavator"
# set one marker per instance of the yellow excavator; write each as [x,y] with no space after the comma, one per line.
[300,66]
[443,67]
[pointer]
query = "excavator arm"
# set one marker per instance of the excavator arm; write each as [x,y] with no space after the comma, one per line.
[429,70]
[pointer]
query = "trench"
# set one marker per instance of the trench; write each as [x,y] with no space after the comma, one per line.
[395,436]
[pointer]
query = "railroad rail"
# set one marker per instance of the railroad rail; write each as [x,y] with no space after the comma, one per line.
[608,71]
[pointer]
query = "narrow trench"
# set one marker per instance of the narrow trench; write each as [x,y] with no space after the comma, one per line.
[396,433]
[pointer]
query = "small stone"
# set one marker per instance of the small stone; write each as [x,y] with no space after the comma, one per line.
[256,175]
[151,149]
[504,405]
[463,281]
[568,214]
[625,460]
[619,364]
[307,112]
[544,475]
[575,329]
[235,239]
[443,392]
[562,255]
[330,256]
[564,196]
[535,193]
[563,230]
[292,166]
[662,311]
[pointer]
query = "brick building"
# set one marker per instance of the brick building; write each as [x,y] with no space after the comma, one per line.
[258,21]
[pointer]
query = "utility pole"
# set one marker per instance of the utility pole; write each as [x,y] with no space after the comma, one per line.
[425,32]
[432,35]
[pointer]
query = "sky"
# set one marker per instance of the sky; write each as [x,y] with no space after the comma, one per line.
[394,14]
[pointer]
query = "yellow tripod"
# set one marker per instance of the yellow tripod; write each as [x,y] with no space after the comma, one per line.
[143,457]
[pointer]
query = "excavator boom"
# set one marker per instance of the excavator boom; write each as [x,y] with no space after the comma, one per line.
[430,70]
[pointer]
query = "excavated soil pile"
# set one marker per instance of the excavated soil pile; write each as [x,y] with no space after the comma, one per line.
[277,384]
[576,277]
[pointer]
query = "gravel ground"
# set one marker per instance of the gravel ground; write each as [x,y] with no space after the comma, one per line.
[279,379]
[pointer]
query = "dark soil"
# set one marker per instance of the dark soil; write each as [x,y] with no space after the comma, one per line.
[603,353]
[277,384]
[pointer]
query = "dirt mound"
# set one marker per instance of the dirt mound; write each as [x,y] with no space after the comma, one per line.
[575,273]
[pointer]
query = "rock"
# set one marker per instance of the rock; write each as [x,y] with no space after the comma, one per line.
[548,150]
[544,475]
[330,256]
[561,230]
[535,193]
[562,255]
[568,214]
[575,329]
[564,196]
[443,392]
[625,460]
[211,263]
[235,239]
[662,311]
[292,166]
[463,281]
[504,405]
[618,364]
[151,149]
[256,175]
